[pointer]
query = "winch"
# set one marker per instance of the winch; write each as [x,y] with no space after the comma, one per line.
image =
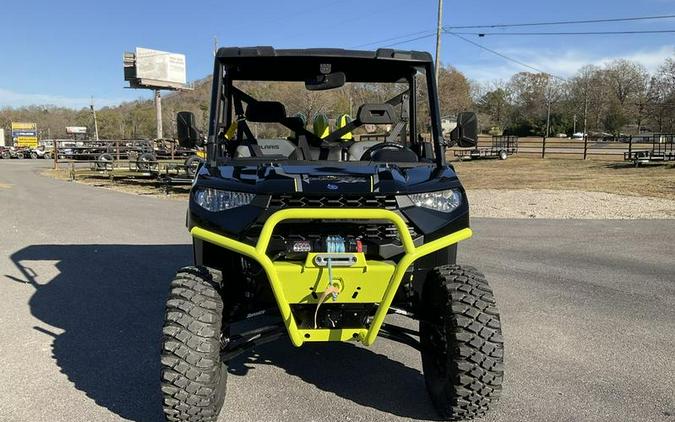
[330,244]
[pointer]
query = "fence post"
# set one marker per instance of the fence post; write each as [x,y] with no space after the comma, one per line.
[585,145]
[56,154]
[630,145]
[543,147]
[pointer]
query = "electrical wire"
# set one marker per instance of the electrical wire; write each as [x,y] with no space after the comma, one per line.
[504,56]
[568,22]
[433,34]
[483,34]
[392,39]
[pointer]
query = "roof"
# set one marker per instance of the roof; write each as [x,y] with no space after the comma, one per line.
[381,53]
[269,64]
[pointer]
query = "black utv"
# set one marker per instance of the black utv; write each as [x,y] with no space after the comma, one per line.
[326,204]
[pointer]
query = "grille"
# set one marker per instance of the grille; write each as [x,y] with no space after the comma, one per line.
[383,231]
[387,202]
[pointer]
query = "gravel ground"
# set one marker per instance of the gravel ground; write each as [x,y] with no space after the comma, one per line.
[564,204]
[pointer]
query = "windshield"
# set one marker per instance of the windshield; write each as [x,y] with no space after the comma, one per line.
[354,121]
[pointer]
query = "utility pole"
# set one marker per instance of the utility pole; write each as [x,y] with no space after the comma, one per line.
[215,46]
[574,125]
[585,113]
[158,111]
[439,30]
[548,118]
[93,111]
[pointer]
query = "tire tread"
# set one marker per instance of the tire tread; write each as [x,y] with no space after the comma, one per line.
[192,376]
[462,315]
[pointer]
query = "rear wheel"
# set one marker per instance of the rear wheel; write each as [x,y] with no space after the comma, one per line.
[503,155]
[193,376]
[462,346]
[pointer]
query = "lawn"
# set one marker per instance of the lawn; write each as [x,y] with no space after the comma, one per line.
[657,180]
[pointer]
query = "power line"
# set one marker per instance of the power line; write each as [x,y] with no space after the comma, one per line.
[511,59]
[449,29]
[483,34]
[568,22]
[392,39]
[433,34]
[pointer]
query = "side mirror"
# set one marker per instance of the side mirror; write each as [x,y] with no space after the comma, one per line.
[465,134]
[188,134]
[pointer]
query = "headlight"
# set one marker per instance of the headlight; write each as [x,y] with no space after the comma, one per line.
[444,200]
[220,200]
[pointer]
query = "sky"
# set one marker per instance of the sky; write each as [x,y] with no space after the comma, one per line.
[63,52]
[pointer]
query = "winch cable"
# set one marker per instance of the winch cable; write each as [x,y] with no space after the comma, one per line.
[330,290]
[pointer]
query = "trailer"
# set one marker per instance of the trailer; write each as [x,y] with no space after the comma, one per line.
[662,151]
[501,147]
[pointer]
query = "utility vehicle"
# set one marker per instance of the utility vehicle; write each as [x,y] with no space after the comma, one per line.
[328,227]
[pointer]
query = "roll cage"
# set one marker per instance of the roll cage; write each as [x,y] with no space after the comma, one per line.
[229,117]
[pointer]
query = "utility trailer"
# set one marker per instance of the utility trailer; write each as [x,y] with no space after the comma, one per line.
[501,147]
[662,151]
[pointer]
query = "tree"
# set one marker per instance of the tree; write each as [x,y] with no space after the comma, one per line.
[454,91]
[495,105]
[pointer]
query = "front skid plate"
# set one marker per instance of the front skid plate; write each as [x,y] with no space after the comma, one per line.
[378,281]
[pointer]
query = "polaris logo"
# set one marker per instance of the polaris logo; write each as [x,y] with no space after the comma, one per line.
[332,186]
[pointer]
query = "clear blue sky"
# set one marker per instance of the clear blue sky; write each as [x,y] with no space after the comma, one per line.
[61,52]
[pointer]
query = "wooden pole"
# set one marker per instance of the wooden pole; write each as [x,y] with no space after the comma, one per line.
[439,30]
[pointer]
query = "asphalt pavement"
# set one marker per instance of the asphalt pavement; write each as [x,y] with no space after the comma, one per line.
[588,310]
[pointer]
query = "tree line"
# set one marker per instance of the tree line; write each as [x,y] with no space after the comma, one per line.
[619,97]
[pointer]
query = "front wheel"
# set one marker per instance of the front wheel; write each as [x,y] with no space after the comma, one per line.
[193,377]
[462,345]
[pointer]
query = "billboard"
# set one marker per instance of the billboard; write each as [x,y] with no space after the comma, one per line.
[148,68]
[76,130]
[24,134]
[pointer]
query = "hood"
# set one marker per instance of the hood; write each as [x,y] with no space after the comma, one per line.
[328,178]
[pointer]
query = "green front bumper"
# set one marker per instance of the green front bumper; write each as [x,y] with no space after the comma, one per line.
[294,282]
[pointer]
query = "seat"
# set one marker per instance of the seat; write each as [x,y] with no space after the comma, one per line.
[321,128]
[356,151]
[269,147]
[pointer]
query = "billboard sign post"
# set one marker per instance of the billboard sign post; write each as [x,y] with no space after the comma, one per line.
[156,70]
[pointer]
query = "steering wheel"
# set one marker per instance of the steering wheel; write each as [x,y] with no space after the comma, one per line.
[367,154]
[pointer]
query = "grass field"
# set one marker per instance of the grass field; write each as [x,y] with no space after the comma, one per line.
[657,180]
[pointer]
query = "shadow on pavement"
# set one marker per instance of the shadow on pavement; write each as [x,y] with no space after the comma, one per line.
[109,300]
[354,373]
